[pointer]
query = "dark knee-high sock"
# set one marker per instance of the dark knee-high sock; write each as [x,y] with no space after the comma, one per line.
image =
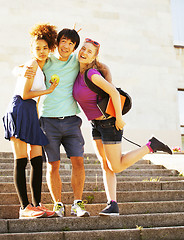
[20,181]
[36,179]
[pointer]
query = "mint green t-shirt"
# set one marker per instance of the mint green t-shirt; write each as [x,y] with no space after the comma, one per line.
[60,102]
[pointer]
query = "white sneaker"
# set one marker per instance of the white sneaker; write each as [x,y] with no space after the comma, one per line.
[78,209]
[59,209]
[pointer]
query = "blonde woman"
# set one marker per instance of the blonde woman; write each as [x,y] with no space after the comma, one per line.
[107,132]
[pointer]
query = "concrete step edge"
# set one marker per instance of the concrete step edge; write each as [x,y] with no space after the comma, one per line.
[100,197]
[174,232]
[93,223]
[147,178]
[10,166]
[89,186]
[11,211]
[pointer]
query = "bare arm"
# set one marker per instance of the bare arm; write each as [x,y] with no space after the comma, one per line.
[27,93]
[114,94]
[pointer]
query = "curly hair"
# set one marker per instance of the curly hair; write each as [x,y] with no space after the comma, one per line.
[46,32]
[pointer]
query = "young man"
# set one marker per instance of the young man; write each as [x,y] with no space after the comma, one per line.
[61,125]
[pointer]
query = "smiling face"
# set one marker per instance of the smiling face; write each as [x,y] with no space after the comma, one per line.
[65,48]
[87,53]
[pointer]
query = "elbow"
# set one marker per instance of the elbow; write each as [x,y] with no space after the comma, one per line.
[25,96]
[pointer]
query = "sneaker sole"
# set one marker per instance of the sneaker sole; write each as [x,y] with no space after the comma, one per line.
[24,217]
[109,214]
[53,215]
[59,215]
[86,214]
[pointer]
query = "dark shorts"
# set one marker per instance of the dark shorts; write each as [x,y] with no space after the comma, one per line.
[62,131]
[106,130]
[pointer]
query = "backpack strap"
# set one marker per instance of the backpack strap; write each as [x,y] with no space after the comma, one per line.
[92,86]
[103,94]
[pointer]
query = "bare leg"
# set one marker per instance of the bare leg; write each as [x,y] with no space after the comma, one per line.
[109,177]
[54,181]
[35,151]
[78,177]
[19,148]
[120,162]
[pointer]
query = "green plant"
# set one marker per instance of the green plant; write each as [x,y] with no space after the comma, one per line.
[139,227]
[181,174]
[152,179]
[97,162]
[89,199]
[95,189]
[66,229]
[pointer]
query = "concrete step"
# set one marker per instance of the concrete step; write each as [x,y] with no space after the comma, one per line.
[150,199]
[12,211]
[165,233]
[121,186]
[156,178]
[62,155]
[157,233]
[100,197]
[92,223]
[67,161]
[87,166]
[98,172]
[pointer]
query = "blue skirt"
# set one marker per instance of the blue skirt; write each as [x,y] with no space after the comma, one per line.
[21,121]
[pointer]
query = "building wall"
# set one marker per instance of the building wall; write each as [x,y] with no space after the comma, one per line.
[136,43]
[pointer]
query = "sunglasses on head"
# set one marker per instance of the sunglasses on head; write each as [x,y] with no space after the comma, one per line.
[96,44]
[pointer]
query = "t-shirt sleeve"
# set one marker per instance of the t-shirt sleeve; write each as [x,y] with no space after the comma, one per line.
[91,72]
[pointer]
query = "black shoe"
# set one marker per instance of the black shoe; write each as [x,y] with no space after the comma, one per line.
[111,209]
[156,145]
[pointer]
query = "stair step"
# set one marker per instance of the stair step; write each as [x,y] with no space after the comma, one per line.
[93,223]
[121,186]
[157,233]
[67,166]
[127,208]
[4,179]
[100,197]
[98,172]
[68,161]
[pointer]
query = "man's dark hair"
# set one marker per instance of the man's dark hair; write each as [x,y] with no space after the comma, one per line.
[69,34]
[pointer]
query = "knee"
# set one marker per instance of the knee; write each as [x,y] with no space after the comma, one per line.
[53,167]
[116,168]
[77,163]
[105,166]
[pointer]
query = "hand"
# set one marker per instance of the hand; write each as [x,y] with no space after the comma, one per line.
[119,123]
[53,85]
[29,73]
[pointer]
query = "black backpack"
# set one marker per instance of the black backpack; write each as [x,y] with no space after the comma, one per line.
[102,104]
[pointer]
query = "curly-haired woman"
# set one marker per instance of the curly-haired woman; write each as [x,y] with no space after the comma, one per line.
[22,125]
